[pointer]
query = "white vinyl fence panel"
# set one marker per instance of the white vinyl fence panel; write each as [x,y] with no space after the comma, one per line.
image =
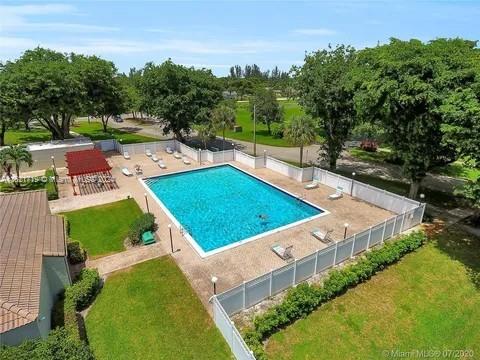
[155,147]
[188,151]
[276,281]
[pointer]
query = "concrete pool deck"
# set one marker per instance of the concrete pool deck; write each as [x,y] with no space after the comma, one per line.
[232,266]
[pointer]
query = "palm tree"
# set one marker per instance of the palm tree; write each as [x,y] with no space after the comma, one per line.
[223,117]
[300,131]
[205,131]
[5,165]
[16,155]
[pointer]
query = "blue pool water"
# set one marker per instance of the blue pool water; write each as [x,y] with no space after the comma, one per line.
[222,205]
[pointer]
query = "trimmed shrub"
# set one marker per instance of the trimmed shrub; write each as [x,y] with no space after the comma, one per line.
[277,129]
[58,345]
[146,222]
[76,253]
[304,299]
[52,191]
[79,296]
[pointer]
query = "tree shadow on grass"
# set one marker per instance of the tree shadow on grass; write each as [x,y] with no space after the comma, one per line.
[462,246]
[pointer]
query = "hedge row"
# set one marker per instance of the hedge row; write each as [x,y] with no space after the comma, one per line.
[78,297]
[304,299]
[52,191]
[76,253]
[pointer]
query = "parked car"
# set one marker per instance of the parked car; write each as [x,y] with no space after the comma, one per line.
[117,118]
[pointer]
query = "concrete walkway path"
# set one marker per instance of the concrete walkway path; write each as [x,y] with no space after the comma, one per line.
[125,259]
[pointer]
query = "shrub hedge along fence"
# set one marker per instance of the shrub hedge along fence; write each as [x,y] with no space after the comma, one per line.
[304,299]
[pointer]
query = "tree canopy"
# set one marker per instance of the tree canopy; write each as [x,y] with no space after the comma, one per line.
[179,96]
[325,91]
[267,108]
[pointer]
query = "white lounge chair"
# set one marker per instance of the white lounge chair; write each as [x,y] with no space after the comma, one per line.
[168,150]
[126,155]
[312,185]
[126,172]
[284,253]
[154,157]
[148,153]
[177,155]
[323,236]
[338,194]
[186,161]
[161,164]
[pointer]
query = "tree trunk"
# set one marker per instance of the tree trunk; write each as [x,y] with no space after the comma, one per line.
[26,123]
[104,123]
[332,162]
[414,186]
[223,134]
[301,156]
[3,130]
[17,169]
[268,128]
[134,115]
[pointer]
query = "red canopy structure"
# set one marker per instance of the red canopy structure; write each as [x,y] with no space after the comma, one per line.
[86,162]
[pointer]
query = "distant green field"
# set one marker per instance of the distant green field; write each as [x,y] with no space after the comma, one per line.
[91,130]
[244,119]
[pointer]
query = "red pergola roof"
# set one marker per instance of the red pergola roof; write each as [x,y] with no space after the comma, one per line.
[86,162]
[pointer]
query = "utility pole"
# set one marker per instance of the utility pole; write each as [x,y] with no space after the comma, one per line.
[254,132]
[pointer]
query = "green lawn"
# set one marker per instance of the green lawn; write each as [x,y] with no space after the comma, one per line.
[429,300]
[150,312]
[379,156]
[458,169]
[244,119]
[102,229]
[93,130]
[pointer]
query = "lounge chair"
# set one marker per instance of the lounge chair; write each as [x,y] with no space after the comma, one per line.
[186,161]
[154,157]
[148,153]
[177,155]
[161,164]
[168,150]
[126,172]
[284,253]
[323,236]
[126,155]
[312,185]
[338,194]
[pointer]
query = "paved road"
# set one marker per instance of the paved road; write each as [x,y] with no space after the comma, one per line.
[346,162]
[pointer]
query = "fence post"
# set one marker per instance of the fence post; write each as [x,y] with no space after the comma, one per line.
[353,245]
[294,272]
[271,282]
[316,261]
[335,257]
[394,224]
[423,212]
[383,231]
[403,220]
[369,237]
[232,326]
[244,295]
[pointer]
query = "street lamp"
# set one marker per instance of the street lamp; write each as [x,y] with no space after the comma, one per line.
[146,201]
[422,196]
[214,282]
[171,240]
[346,225]
[353,182]
[265,157]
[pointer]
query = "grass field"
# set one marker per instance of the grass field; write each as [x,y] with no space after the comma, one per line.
[429,300]
[150,312]
[244,119]
[92,130]
[102,229]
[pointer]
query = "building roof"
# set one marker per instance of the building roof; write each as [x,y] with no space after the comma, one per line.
[27,233]
[86,162]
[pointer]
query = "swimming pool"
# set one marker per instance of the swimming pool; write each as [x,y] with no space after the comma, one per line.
[222,206]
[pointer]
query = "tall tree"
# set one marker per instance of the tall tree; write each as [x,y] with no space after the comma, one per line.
[404,84]
[105,93]
[205,131]
[325,90]
[179,96]
[223,117]
[8,104]
[300,131]
[267,109]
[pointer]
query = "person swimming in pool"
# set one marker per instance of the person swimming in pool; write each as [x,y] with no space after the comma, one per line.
[264,217]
